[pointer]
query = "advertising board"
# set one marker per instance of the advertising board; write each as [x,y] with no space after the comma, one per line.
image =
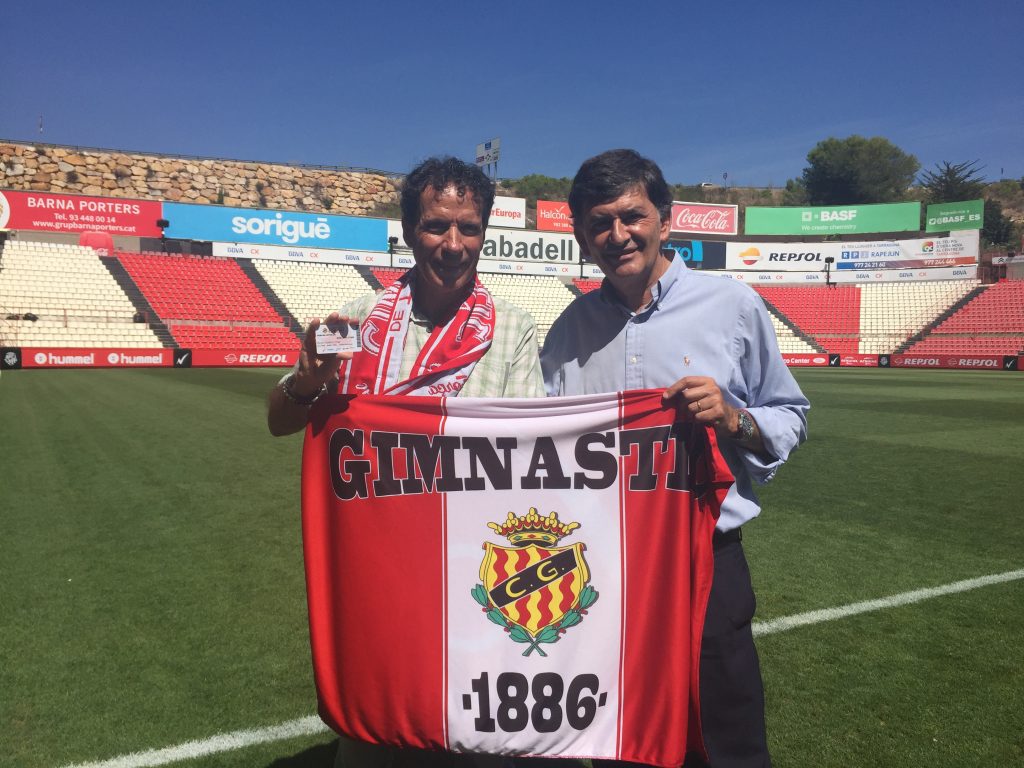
[947,217]
[705,218]
[48,212]
[508,212]
[553,216]
[833,220]
[265,227]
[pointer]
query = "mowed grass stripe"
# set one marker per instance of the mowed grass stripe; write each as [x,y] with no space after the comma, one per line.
[227,742]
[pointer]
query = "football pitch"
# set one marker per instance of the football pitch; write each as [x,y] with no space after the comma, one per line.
[152,594]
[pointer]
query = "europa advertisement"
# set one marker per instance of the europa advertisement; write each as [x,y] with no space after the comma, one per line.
[836,220]
[43,211]
[508,212]
[921,253]
[251,225]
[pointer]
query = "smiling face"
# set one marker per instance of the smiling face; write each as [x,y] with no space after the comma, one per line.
[446,243]
[624,238]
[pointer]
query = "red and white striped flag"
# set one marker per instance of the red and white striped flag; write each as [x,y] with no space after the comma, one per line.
[510,576]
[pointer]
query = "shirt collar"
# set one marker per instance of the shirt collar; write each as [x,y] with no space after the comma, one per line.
[675,273]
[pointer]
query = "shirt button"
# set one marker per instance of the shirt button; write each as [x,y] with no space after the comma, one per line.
[632,359]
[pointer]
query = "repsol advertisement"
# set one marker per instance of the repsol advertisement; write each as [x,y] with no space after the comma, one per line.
[286,228]
[923,253]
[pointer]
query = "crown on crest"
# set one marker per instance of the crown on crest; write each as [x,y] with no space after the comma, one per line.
[531,528]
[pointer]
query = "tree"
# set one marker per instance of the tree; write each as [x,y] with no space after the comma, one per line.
[537,185]
[858,170]
[795,193]
[998,229]
[950,183]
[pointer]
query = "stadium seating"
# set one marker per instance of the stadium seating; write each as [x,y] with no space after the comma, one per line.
[543,297]
[992,323]
[197,288]
[585,285]
[234,337]
[387,276]
[893,312]
[312,290]
[77,301]
[830,315]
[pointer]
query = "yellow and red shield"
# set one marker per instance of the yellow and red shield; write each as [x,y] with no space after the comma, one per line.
[534,587]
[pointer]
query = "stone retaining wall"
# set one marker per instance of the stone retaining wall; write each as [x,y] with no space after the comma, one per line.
[50,168]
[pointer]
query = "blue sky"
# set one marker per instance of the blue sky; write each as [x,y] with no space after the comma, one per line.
[703,88]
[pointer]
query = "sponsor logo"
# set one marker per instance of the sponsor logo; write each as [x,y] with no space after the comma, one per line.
[507,248]
[977,362]
[750,256]
[553,216]
[693,217]
[5,211]
[916,362]
[48,358]
[795,256]
[183,358]
[534,590]
[289,230]
[927,246]
[11,359]
[819,360]
[261,359]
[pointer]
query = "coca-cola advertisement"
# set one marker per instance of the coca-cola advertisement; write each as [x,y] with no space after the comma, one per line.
[705,218]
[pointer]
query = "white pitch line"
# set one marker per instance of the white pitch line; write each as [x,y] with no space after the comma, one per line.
[224,742]
[904,598]
[306,726]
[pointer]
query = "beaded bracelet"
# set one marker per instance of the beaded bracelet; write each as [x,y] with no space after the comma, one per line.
[286,387]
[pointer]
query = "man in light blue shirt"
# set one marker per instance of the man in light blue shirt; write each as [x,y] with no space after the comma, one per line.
[709,342]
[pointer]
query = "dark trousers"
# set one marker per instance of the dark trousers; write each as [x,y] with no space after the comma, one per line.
[731,691]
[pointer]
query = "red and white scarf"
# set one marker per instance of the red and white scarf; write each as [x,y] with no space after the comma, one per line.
[446,360]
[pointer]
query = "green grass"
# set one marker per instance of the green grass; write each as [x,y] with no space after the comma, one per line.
[151,584]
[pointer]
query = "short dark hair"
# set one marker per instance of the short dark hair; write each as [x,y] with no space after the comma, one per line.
[613,173]
[441,173]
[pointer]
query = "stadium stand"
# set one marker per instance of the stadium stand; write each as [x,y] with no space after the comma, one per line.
[76,300]
[586,286]
[386,276]
[991,323]
[312,290]
[207,303]
[543,297]
[831,316]
[893,312]
[197,288]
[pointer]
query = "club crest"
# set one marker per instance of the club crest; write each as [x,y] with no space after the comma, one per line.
[534,589]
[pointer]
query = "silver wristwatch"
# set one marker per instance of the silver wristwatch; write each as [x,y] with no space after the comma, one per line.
[744,426]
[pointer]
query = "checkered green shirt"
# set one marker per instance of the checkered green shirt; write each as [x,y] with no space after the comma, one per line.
[511,367]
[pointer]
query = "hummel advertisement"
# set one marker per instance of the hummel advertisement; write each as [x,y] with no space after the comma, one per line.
[287,228]
[12,358]
[77,357]
[925,253]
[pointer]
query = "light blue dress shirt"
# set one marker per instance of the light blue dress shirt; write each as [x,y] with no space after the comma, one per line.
[697,324]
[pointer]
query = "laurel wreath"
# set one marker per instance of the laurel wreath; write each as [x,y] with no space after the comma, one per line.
[551,634]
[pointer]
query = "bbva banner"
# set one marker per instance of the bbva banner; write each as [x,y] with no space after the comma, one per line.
[510,576]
